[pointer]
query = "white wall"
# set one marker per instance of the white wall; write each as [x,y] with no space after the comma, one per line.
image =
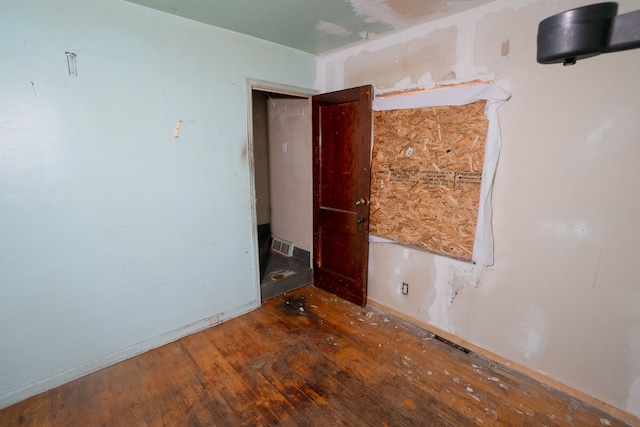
[291,170]
[116,236]
[563,297]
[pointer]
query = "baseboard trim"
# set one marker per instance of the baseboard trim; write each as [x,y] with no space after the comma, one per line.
[264,228]
[64,377]
[610,409]
[302,254]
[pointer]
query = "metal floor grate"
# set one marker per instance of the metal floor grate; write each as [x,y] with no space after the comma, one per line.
[282,247]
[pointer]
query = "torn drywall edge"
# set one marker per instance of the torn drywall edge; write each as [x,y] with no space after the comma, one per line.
[495,96]
[331,65]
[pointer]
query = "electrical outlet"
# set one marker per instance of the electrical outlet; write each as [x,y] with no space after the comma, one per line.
[214,320]
[405,288]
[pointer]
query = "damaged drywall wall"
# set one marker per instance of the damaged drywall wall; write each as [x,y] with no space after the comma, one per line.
[386,67]
[434,282]
[452,276]
[565,202]
[447,45]
[401,14]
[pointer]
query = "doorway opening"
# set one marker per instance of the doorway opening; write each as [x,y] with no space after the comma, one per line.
[282,174]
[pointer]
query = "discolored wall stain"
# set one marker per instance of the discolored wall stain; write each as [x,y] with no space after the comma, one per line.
[244,151]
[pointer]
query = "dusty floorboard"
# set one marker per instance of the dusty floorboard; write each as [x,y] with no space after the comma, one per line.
[305,359]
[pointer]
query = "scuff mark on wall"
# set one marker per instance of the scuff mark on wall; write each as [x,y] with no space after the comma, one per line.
[595,275]
[598,135]
[632,401]
[577,229]
[451,277]
[532,332]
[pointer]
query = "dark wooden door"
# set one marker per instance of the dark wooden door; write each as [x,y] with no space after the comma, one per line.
[341,179]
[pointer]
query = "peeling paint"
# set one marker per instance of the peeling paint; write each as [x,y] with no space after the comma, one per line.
[403,84]
[330,28]
[377,11]
[417,9]
[426,81]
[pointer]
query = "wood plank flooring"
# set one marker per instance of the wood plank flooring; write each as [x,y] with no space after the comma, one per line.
[305,359]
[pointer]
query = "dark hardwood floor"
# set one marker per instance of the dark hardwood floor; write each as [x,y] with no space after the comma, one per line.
[305,359]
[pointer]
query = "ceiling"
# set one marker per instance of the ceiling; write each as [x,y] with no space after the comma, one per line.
[314,26]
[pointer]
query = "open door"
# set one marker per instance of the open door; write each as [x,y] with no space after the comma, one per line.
[342,125]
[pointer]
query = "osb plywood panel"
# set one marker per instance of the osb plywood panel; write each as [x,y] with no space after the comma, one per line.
[426,175]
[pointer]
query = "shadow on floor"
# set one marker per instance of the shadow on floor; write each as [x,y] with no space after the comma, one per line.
[279,273]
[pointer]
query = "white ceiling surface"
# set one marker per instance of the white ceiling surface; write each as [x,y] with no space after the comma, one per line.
[314,26]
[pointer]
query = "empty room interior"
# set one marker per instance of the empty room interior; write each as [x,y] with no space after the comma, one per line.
[336,212]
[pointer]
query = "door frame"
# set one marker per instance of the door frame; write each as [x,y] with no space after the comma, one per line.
[272,87]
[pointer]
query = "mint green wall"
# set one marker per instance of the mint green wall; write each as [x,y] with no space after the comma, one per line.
[116,237]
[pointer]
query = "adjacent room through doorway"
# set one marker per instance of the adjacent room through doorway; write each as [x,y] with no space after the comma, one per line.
[283,189]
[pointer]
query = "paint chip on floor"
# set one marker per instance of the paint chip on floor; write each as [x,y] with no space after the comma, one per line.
[491,413]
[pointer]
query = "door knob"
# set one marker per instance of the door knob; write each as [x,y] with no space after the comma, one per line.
[359,220]
[360,202]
